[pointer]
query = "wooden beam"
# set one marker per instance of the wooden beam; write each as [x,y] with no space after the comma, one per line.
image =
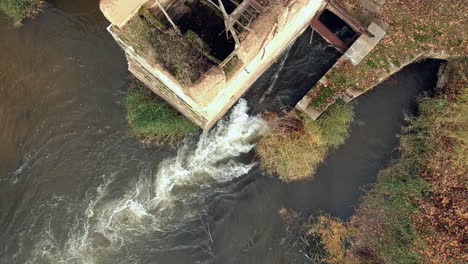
[228,23]
[168,17]
[229,58]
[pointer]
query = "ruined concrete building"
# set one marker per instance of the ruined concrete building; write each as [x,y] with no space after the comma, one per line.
[201,56]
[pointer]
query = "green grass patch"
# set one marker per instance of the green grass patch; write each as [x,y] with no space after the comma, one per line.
[152,119]
[17,10]
[297,144]
[322,97]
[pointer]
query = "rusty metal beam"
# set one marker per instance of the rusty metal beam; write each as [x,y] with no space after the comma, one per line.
[328,35]
[338,10]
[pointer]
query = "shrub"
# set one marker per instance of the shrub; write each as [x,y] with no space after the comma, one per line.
[297,144]
[17,10]
[292,155]
[335,123]
[153,119]
[384,221]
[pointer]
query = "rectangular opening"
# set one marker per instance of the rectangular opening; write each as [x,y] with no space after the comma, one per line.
[203,19]
[198,41]
[339,27]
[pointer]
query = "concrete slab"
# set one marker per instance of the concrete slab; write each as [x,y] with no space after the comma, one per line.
[364,44]
[371,6]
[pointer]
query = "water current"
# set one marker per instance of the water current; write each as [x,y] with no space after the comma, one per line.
[77,187]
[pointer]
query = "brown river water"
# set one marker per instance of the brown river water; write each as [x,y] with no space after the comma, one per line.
[76,187]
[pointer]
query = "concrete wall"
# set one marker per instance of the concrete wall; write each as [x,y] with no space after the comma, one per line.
[144,75]
[118,12]
[161,83]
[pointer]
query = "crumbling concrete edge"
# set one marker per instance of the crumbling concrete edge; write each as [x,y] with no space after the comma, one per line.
[356,53]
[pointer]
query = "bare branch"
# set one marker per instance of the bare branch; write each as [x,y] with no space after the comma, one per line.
[206,227]
[209,251]
[208,248]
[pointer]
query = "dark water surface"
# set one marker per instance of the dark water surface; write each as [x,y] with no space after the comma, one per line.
[252,219]
[295,72]
[62,124]
[64,139]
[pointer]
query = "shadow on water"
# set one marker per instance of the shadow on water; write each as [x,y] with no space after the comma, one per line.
[63,134]
[62,125]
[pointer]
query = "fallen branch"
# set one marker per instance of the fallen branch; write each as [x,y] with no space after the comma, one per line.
[208,249]
[206,227]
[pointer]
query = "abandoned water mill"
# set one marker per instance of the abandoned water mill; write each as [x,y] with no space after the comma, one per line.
[252,36]
[76,186]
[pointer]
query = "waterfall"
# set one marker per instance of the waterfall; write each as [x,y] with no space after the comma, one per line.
[212,160]
[159,203]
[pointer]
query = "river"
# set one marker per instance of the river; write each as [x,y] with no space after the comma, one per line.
[77,187]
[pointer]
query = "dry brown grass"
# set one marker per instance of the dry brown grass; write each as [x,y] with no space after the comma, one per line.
[292,153]
[334,235]
[297,144]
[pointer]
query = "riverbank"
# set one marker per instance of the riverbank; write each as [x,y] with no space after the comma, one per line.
[153,120]
[417,30]
[416,212]
[18,10]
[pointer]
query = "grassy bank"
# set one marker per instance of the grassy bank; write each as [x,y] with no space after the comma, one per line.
[423,27]
[18,10]
[152,119]
[297,144]
[416,212]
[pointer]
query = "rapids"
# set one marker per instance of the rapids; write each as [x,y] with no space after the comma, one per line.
[158,204]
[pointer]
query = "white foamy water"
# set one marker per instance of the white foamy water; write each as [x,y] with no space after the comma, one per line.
[212,158]
[158,203]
